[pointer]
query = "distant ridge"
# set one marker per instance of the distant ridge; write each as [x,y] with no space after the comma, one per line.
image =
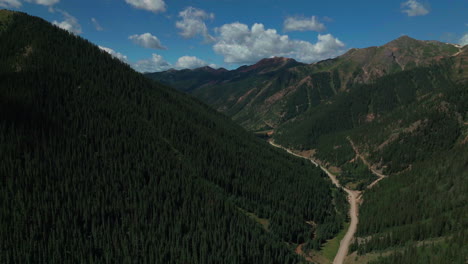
[266,94]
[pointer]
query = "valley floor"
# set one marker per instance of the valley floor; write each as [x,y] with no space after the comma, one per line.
[354,199]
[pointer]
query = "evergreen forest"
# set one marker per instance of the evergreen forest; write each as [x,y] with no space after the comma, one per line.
[99,164]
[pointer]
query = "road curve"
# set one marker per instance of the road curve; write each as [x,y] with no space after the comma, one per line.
[372,169]
[353,199]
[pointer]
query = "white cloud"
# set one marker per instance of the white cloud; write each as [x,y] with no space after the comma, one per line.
[115,54]
[150,5]
[96,24]
[414,8]
[154,64]
[193,24]
[147,40]
[157,64]
[464,40]
[190,62]
[70,23]
[10,3]
[303,24]
[239,44]
[18,4]
[44,2]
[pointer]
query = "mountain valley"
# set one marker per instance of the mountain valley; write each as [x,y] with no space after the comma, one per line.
[362,158]
[398,110]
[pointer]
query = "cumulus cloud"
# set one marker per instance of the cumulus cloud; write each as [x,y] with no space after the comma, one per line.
[150,5]
[157,64]
[154,64]
[191,62]
[414,8]
[147,40]
[303,24]
[96,24]
[464,40]
[115,54]
[10,3]
[192,23]
[44,2]
[18,4]
[239,44]
[70,23]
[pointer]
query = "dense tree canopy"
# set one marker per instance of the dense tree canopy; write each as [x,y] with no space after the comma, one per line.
[100,165]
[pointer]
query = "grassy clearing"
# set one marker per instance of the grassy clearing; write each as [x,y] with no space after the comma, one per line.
[330,248]
[354,258]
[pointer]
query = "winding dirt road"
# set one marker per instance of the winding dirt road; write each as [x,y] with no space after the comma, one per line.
[354,198]
[373,170]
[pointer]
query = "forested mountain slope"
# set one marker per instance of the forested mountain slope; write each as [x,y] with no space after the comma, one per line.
[265,99]
[413,126]
[401,109]
[247,94]
[98,164]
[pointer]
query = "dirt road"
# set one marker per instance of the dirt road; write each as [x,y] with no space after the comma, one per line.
[292,153]
[300,252]
[373,170]
[353,199]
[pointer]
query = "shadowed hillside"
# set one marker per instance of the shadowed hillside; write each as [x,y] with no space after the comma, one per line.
[101,165]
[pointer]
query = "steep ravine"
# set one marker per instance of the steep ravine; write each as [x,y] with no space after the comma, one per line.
[354,199]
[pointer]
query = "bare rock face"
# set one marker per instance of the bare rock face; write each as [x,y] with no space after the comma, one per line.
[404,53]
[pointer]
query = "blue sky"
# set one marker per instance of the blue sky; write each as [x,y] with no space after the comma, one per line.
[155,35]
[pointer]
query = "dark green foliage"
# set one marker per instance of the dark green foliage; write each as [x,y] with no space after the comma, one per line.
[298,103]
[436,133]
[454,251]
[100,165]
[316,90]
[332,225]
[335,149]
[411,123]
[253,95]
[428,201]
[349,110]
[356,172]
[406,109]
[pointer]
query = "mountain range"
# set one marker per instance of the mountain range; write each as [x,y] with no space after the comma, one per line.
[265,95]
[399,110]
[101,164]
